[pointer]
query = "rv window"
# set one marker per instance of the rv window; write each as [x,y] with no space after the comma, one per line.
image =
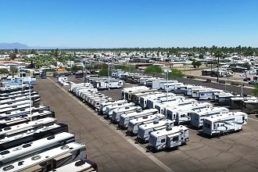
[207,125]
[4,152]
[26,145]
[20,163]
[175,139]
[35,157]
[9,167]
[163,140]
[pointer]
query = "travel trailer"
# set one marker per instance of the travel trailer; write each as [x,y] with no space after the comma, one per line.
[125,110]
[35,98]
[35,147]
[78,166]
[134,124]
[222,98]
[198,115]
[33,134]
[127,92]
[14,120]
[224,123]
[171,137]
[104,105]
[125,118]
[19,94]
[145,129]
[49,159]
[110,108]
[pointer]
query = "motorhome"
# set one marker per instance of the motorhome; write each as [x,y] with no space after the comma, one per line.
[224,123]
[125,110]
[49,159]
[35,147]
[134,124]
[145,129]
[33,134]
[125,118]
[170,137]
[198,115]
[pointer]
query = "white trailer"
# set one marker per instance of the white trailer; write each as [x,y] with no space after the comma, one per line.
[35,147]
[180,113]
[125,110]
[78,166]
[49,159]
[222,98]
[36,133]
[8,110]
[170,137]
[191,90]
[134,124]
[125,118]
[13,104]
[198,115]
[145,129]
[23,127]
[105,105]
[10,121]
[111,110]
[151,103]
[159,83]
[136,97]
[127,92]
[10,96]
[208,94]
[34,97]
[144,99]
[224,123]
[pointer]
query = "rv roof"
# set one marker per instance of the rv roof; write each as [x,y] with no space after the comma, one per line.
[173,130]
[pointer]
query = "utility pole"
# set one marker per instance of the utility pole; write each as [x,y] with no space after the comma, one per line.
[218,70]
[108,76]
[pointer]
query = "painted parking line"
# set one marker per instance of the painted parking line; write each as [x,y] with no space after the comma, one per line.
[130,141]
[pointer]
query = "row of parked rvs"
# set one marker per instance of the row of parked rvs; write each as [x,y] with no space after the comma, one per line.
[184,110]
[104,83]
[136,120]
[31,139]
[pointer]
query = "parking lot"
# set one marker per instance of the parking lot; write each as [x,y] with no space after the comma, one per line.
[114,151]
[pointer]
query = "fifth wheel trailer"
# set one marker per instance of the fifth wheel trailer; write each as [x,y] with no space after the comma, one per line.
[224,123]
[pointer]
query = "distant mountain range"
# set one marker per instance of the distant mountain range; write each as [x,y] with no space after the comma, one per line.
[15,45]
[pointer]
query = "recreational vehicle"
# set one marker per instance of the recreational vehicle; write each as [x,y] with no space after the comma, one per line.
[127,92]
[125,110]
[223,98]
[78,166]
[171,137]
[115,106]
[198,115]
[224,123]
[134,124]
[103,106]
[145,129]
[35,147]
[125,118]
[33,134]
[49,159]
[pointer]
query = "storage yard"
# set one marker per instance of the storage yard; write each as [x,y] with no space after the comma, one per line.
[113,150]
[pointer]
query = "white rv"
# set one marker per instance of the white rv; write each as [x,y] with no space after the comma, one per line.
[222,98]
[127,92]
[49,159]
[170,137]
[125,110]
[134,124]
[145,129]
[224,123]
[34,133]
[198,115]
[35,147]
[103,106]
[191,91]
[125,118]
[110,108]
[180,112]
[78,166]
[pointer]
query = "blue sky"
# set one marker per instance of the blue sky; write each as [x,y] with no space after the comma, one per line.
[129,23]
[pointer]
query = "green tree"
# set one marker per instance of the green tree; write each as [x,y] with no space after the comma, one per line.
[4,71]
[12,56]
[103,72]
[153,70]
[201,56]
[196,64]
[175,73]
